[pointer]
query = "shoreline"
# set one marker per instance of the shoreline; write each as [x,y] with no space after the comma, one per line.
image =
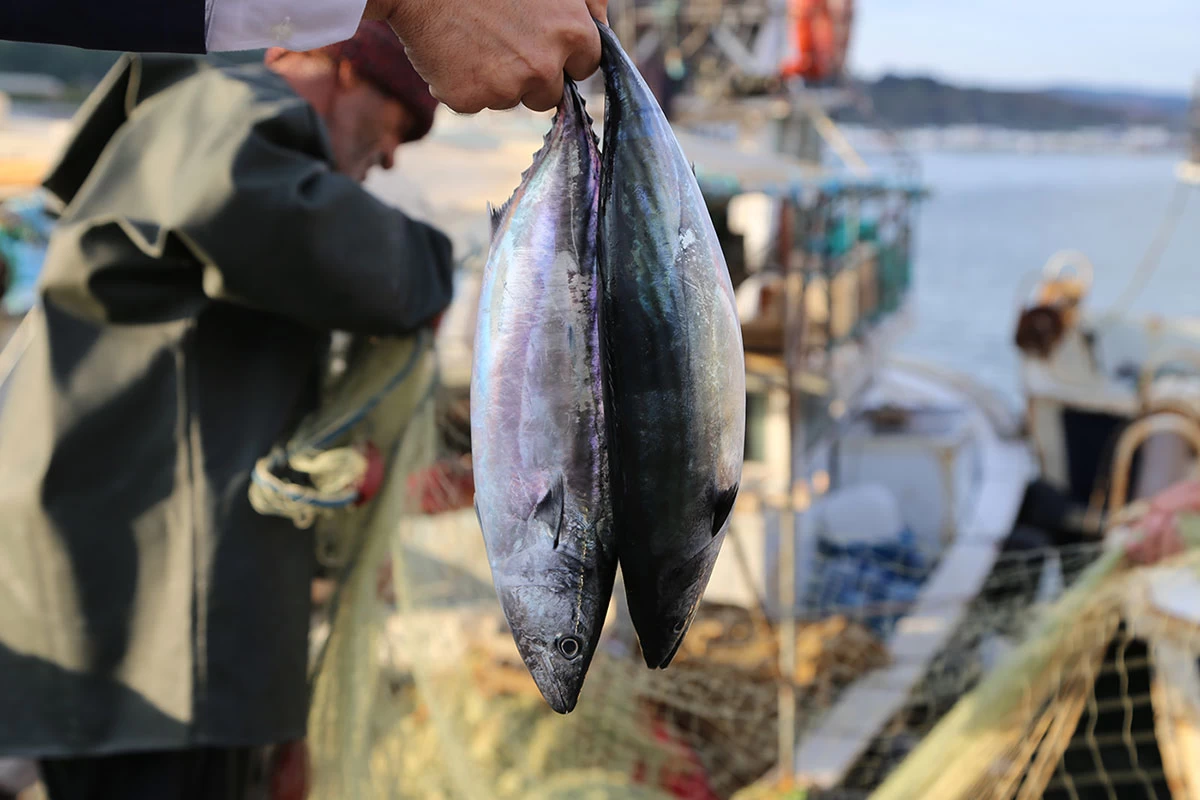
[1134,140]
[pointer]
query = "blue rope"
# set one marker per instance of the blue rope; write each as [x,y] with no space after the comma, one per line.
[261,474]
[357,416]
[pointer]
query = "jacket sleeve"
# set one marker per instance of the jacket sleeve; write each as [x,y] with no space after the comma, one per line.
[255,24]
[293,237]
[146,26]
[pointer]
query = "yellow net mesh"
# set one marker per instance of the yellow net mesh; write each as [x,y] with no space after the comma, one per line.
[1068,676]
[1097,700]
[430,700]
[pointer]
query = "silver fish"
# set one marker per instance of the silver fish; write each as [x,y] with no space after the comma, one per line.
[538,434]
[675,371]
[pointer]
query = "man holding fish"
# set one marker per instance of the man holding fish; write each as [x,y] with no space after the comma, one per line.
[213,231]
[475,54]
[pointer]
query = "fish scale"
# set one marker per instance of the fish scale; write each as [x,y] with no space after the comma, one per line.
[539,439]
[674,381]
[608,334]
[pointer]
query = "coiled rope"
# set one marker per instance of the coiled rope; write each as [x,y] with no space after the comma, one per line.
[334,473]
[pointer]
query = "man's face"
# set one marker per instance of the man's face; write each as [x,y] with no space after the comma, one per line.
[365,125]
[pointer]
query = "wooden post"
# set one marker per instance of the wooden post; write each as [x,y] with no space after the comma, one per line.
[792,268]
[787,637]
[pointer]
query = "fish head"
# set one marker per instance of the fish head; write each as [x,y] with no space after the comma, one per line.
[681,588]
[555,590]
[556,624]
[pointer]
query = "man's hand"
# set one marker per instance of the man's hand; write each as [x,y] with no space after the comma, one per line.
[1155,545]
[1158,530]
[478,54]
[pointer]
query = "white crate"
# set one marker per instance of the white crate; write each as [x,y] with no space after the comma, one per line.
[931,463]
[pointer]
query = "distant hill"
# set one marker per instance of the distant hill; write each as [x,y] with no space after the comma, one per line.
[1171,105]
[913,102]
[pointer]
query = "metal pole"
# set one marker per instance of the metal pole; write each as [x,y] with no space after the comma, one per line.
[793,328]
[787,636]
[1194,155]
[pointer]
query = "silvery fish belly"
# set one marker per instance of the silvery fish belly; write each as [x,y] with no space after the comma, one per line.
[675,370]
[537,416]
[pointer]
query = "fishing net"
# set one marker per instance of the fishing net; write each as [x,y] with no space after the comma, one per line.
[426,697]
[455,714]
[1061,677]
[419,691]
[1035,671]
[1096,698]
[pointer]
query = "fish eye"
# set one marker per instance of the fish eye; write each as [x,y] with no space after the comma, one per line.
[569,647]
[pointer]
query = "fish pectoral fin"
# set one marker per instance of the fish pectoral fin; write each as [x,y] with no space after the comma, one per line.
[549,510]
[723,507]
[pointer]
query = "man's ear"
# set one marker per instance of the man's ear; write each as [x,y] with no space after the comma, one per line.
[347,78]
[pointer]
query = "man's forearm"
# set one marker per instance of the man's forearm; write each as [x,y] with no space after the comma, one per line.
[475,54]
[161,26]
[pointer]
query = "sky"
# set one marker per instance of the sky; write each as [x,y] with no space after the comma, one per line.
[1140,44]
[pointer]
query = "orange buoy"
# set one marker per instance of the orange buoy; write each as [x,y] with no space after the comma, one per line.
[820,37]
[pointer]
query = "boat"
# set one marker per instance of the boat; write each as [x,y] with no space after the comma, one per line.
[28,146]
[1113,417]
[1088,373]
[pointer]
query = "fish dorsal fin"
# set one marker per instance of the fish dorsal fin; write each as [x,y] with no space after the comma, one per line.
[496,215]
[589,124]
[549,510]
[723,507]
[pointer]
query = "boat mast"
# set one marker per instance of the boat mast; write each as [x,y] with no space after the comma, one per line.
[1189,171]
[735,64]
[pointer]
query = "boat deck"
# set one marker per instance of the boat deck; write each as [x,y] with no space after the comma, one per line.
[826,754]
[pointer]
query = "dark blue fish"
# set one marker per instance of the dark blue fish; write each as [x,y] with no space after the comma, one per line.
[537,414]
[675,371]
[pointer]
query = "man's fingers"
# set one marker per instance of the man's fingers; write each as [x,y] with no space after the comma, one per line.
[584,59]
[460,103]
[510,52]
[545,96]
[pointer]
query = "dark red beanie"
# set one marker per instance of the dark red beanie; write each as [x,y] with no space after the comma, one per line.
[378,56]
